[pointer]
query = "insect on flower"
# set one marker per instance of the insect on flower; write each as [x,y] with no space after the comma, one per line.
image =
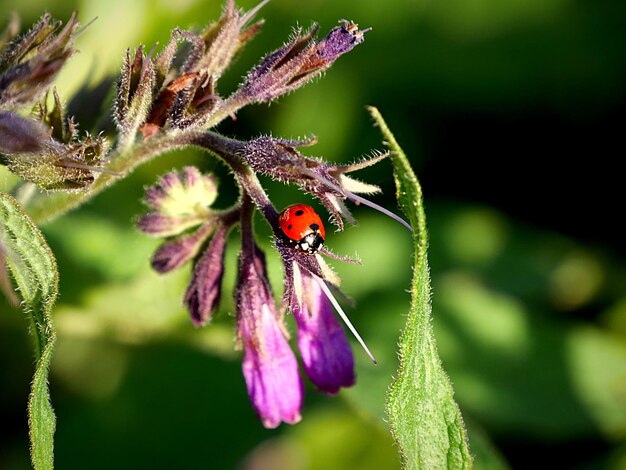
[303,227]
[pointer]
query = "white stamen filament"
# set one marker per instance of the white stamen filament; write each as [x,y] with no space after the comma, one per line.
[357,199]
[343,316]
[373,205]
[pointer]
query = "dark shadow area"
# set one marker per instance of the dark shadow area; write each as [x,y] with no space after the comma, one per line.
[175,408]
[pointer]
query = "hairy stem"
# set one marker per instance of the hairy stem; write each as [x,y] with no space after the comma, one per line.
[48,207]
[228,150]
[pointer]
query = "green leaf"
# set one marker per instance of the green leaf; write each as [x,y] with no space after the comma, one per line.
[425,420]
[33,267]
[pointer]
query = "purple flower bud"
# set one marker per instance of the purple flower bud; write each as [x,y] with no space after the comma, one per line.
[340,40]
[295,64]
[180,201]
[173,254]
[161,225]
[189,98]
[324,348]
[270,367]
[203,294]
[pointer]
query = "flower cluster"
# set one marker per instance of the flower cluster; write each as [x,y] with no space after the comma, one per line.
[180,213]
[155,99]
[180,203]
[169,100]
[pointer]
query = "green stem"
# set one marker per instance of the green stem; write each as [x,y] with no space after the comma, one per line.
[48,207]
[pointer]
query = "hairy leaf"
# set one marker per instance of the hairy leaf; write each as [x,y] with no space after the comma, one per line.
[33,267]
[424,418]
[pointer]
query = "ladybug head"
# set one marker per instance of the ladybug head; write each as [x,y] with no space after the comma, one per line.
[310,243]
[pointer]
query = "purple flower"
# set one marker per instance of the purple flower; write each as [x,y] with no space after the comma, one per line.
[270,367]
[306,279]
[324,348]
[154,98]
[203,294]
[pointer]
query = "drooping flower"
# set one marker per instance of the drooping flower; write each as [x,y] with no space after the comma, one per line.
[184,98]
[305,273]
[324,348]
[270,367]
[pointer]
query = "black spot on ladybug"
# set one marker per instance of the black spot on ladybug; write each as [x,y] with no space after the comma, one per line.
[299,212]
[314,227]
[289,227]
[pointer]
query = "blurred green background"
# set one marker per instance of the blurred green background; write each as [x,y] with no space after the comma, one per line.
[512,113]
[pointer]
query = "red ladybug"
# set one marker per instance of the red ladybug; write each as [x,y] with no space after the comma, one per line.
[302,226]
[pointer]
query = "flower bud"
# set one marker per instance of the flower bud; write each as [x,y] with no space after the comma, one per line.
[296,63]
[135,90]
[190,98]
[215,47]
[32,154]
[19,135]
[180,201]
[174,253]
[29,64]
[203,294]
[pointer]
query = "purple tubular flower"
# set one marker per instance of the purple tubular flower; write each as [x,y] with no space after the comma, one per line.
[324,348]
[270,367]
[203,294]
[296,63]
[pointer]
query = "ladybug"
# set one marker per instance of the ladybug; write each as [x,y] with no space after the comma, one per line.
[303,227]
